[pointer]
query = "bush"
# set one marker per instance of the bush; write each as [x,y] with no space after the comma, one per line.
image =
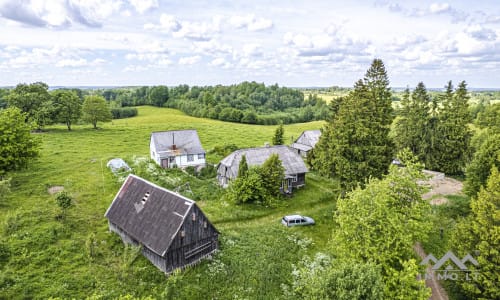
[209,171]
[124,112]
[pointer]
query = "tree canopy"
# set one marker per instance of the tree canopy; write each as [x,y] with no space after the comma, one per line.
[17,145]
[95,109]
[34,100]
[68,107]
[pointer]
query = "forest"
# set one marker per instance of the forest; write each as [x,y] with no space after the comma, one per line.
[369,213]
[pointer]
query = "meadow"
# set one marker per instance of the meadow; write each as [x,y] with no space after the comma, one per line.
[44,255]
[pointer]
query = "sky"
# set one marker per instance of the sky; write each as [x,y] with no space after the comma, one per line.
[291,43]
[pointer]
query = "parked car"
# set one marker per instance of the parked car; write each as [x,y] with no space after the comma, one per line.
[296,220]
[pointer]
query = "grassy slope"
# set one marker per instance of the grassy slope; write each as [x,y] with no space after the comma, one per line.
[49,257]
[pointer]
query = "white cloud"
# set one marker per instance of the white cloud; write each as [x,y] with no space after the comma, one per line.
[438,8]
[72,63]
[250,22]
[189,60]
[59,13]
[144,5]
[480,33]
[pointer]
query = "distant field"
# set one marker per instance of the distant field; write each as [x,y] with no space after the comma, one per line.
[78,257]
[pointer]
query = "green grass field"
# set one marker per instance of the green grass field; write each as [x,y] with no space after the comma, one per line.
[76,257]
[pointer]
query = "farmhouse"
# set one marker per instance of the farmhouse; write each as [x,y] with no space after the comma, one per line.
[177,148]
[295,169]
[306,141]
[171,229]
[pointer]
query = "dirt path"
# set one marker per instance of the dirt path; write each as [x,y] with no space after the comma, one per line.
[442,186]
[438,292]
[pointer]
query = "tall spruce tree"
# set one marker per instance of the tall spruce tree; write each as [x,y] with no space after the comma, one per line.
[355,144]
[243,167]
[453,134]
[412,131]
[278,138]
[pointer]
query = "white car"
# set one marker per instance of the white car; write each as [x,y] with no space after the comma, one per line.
[296,220]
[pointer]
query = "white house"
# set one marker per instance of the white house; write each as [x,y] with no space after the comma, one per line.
[177,148]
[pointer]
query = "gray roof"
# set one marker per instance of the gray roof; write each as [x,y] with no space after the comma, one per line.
[307,140]
[185,141]
[292,162]
[156,222]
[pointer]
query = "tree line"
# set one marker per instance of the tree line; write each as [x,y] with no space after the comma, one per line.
[246,102]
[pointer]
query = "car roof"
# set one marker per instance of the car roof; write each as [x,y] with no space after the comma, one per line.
[293,217]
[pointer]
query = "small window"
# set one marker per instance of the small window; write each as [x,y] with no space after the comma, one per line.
[205,225]
[193,216]
[172,159]
[190,157]
[294,178]
[201,155]
[145,198]
[183,233]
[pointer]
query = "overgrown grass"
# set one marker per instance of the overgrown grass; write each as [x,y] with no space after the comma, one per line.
[76,257]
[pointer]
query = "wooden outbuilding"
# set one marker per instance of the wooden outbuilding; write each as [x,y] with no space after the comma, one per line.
[171,229]
[295,168]
[306,141]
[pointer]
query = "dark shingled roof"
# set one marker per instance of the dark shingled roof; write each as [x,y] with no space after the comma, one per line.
[291,161]
[186,141]
[307,140]
[154,223]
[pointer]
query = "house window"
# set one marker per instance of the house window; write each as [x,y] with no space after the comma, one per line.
[294,178]
[205,224]
[193,216]
[190,157]
[201,155]
[172,159]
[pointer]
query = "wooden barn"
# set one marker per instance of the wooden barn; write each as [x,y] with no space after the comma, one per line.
[295,168]
[171,229]
[306,141]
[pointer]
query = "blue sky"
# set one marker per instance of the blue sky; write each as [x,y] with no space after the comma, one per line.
[292,43]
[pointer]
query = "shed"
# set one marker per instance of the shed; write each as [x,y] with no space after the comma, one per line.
[171,229]
[295,168]
[177,148]
[306,141]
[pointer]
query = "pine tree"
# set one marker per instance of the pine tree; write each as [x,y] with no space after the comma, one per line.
[272,175]
[355,144]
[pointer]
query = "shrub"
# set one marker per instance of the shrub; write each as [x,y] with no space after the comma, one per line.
[124,112]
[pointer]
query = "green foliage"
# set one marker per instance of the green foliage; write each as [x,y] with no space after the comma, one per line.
[124,112]
[478,170]
[402,285]
[64,201]
[4,253]
[478,235]
[436,128]
[272,175]
[324,278]
[158,95]
[354,145]
[34,100]
[489,117]
[17,145]
[247,189]
[278,135]
[68,107]
[207,172]
[243,167]
[381,223]
[95,109]
[453,134]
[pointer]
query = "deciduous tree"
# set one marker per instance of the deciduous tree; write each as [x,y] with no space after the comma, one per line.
[17,145]
[34,100]
[478,235]
[272,175]
[95,109]
[68,107]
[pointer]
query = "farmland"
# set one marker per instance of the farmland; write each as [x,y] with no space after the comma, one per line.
[76,256]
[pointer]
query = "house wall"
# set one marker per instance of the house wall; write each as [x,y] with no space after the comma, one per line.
[182,160]
[301,180]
